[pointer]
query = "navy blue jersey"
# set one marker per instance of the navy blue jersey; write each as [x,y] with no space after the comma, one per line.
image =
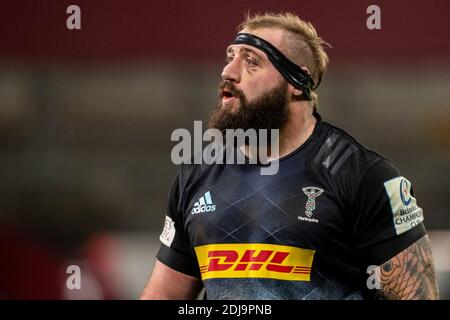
[308,232]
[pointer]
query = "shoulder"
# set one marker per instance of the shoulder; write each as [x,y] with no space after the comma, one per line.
[338,152]
[345,163]
[192,176]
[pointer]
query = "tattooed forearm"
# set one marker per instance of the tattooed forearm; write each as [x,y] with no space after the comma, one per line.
[410,275]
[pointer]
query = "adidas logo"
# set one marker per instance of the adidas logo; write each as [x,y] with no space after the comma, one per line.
[204,204]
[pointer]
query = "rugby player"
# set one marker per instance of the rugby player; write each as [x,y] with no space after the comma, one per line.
[337,221]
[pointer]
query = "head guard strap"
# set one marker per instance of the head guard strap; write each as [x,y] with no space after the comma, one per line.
[289,70]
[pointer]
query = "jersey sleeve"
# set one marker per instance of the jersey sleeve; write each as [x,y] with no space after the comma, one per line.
[386,216]
[175,250]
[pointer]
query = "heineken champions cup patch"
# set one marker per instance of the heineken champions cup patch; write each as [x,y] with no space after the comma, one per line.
[406,213]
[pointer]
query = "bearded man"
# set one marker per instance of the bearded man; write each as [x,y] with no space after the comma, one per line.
[337,221]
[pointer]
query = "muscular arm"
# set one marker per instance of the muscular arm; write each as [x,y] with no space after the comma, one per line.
[410,275]
[166,283]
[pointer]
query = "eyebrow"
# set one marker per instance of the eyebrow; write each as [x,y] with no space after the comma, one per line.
[244,49]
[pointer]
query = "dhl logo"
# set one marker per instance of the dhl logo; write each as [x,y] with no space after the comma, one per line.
[254,260]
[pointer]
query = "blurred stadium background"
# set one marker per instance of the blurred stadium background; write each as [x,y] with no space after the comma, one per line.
[86,118]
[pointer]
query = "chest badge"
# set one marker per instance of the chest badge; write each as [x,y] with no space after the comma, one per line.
[312,193]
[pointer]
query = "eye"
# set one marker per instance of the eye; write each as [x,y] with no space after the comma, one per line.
[228,59]
[251,62]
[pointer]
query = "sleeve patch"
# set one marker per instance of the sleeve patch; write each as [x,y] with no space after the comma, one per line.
[168,233]
[406,213]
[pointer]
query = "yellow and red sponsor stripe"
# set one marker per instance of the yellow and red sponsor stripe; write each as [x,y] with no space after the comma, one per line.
[254,260]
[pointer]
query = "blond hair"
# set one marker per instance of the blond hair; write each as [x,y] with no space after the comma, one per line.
[302,43]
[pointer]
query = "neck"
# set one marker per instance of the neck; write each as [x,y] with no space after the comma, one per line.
[297,130]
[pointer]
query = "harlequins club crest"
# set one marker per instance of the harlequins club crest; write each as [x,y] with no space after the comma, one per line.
[312,193]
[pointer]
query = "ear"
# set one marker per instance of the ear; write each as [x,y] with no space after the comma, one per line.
[307,71]
[294,94]
[297,92]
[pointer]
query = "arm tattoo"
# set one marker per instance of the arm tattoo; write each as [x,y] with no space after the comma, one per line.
[410,275]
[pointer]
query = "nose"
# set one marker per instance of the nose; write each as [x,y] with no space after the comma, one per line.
[231,71]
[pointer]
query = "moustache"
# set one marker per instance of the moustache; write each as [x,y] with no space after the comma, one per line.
[228,89]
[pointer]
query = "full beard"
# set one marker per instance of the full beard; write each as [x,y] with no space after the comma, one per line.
[269,111]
